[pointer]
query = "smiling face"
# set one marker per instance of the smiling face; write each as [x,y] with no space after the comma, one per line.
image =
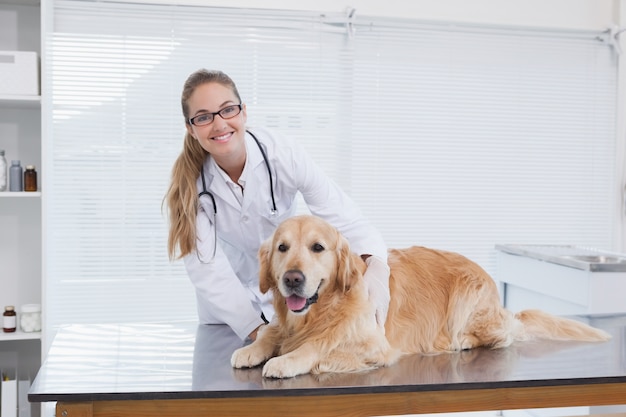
[301,262]
[222,138]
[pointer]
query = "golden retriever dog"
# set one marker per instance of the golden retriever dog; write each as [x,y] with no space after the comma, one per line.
[440,302]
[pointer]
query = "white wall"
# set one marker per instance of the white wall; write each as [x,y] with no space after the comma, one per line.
[620,214]
[569,14]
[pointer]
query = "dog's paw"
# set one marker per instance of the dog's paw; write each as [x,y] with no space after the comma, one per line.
[281,367]
[247,357]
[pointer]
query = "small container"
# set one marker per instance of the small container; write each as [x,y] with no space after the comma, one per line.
[9,319]
[3,171]
[30,178]
[30,318]
[16,176]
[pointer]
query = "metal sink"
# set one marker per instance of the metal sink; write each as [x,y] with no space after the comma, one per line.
[588,259]
[597,259]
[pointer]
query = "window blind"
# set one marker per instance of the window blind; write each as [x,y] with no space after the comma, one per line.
[452,136]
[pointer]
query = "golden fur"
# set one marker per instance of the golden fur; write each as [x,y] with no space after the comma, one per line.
[440,302]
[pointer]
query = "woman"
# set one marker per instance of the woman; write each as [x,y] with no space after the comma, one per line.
[230,188]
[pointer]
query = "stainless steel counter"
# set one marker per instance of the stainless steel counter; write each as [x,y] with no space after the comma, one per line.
[587,259]
[137,367]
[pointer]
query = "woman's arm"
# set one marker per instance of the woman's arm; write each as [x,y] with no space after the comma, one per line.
[221,296]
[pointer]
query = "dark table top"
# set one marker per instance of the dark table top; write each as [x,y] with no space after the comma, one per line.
[185,360]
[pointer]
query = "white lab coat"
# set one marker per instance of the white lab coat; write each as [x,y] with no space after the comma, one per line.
[227,287]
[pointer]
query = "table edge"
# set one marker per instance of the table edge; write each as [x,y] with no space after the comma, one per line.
[323,391]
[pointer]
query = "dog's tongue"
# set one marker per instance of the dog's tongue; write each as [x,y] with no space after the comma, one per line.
[295,303]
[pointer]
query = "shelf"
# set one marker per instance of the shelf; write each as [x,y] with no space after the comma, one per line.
[19,335]
[16,101]
[21,2]
[20,194]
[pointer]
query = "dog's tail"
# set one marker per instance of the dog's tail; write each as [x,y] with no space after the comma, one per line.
[541,325]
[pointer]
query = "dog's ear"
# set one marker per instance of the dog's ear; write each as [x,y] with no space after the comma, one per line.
[265,274]
[347,270]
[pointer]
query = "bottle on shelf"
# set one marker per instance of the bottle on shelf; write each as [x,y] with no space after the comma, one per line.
[30,318]
[9,319]
[3,171]
[30,178]
[16,175]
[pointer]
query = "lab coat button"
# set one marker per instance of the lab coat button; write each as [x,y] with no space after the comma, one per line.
[244,219]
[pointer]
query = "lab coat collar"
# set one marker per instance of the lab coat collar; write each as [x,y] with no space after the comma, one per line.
[255,172]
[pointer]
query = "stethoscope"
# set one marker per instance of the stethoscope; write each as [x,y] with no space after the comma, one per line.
[273,211]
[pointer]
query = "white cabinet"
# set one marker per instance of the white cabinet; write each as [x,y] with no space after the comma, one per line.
[564,280]
[21,212]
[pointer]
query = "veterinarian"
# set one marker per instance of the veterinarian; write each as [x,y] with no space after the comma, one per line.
[230,187]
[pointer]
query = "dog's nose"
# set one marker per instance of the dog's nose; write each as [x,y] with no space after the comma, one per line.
[293,279]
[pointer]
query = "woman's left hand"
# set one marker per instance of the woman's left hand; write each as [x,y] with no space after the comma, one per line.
[377,279]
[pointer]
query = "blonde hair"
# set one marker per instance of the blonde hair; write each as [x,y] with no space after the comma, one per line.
[182,196]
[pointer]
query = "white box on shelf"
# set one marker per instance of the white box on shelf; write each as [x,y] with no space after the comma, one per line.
[19,73]
[8,393]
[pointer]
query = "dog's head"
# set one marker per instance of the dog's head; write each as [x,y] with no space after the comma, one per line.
[305,258]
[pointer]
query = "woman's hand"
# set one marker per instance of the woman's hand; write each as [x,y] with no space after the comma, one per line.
[377,279]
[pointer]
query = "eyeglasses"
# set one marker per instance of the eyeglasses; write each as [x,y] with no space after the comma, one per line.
[206,118]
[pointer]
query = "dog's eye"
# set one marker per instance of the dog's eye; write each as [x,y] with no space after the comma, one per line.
[282,247]
[317,248]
